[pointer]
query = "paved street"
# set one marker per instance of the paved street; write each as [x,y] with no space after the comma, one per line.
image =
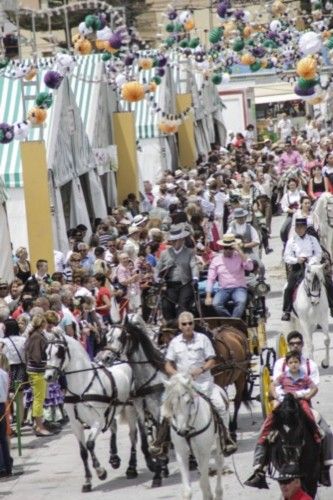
[53,469]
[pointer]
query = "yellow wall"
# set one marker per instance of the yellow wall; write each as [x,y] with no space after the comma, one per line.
[37,202]
[186,142]
[125,139]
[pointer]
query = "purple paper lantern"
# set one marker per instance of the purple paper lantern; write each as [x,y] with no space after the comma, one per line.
[53,79]
[304,92]
[239,14]
[258,52]
[161,61]
[222,9]
[115,40]
[172,14]
[128,61]
[6,133]
[161,71]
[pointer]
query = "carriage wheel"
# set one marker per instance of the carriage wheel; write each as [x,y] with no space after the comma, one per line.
[262,336]
[265,384]
[253,341]
[281,346]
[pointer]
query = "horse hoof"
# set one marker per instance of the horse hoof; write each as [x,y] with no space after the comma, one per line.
[157,482]
[192,464]
[86,488]
[165,471]
[233,436]
[151,465]
[324,365]
[131,473]
[102,475]
[114,461]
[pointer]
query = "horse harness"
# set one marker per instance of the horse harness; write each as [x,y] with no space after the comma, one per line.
[230,363]
[329,212]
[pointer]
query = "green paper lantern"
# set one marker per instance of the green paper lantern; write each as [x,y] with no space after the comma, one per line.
[215,35]
[250,42]
[44,100]
[106,56]
[170,27]
[194,42]
[238,45]
[216,79]
[178,27]
[157,80]
[4,62]
[92,22]
[255,66]
[329,44]
[306,84]
[183,44]
[169,41]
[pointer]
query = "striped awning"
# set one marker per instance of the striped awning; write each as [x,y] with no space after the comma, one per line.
[12,110]
[3,193]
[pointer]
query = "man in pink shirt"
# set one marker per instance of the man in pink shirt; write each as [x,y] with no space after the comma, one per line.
[290,158]
[229,269]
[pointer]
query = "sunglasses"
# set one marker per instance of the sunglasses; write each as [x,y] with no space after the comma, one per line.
[76,260]
[188,323]
[296,343]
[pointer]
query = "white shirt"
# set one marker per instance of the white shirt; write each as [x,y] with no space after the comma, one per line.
[192,354]
[83,292]
[59,261]
[289,198]
[314,372]
[10,351]
[296,215]
[284,126]
[302,247]
[132,248]
[4,385]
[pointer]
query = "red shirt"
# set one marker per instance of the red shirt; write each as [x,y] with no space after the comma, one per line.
[99,300]
[301,495]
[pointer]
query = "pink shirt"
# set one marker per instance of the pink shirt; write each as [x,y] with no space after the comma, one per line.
[229,271]
[293,159]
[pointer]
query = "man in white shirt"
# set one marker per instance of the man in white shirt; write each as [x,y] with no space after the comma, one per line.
[301,248]
[284,127]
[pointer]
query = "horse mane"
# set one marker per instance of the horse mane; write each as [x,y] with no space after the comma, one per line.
[173,389]
[139,338]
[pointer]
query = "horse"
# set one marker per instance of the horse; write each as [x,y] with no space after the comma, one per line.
[294,443]
[310,309]
[323,220]
[228,336]
[94,395]
[130,342]
[192,426]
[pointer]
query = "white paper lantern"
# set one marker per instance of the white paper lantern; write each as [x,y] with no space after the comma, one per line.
[120,79]
[184,16]
[104,34]
[83,30]
[21,130]
[65,63]
[310,43]
[275,26]
[225,78]
[247,16]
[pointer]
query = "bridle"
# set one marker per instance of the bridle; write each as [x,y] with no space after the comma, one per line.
[312,287]
[61,342]
[189,432]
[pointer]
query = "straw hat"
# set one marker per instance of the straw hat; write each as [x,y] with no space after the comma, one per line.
[132,230]
[228,240]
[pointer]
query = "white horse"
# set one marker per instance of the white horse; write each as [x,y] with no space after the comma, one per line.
[311,308]
[192,424]
[323,221]
[94,394]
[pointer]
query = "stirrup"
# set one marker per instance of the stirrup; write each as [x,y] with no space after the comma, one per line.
[257,480]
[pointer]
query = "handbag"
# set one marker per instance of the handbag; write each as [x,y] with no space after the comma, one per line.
[25,376]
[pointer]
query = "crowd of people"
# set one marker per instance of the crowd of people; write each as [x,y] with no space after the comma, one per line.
[207,227]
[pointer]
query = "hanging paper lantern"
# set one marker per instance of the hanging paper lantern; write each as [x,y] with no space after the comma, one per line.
[275,26]
[161,61]
[152,87]
[185,16]
[92,22]
[226,78]
[115,40]
[84,30]
[21,130]
[76,38]
[229,28]
[4,61]
[161,71]
[104,34]
[6,133]
[304,92]
[157,80]
[307,68]
[31,74]
[247,31]
[83,46]
[106,57]
[145,63]
[215,35]
[65,63]
[172,14]
[132,91]
[238,45]
[120,80]
[306,84]
[329,44]
[44,100]
[194,42]
[183,44]
[217,79]
[310,43]
[255,66]
[170,27]
[258,52]
[189,25]
[168,127]
[247,59]
[37,116]
[222,9]
[53,79]
[170,41]
[278,8]
[101,44]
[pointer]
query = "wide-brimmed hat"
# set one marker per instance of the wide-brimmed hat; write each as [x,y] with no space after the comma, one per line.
[178,173]
[177,232]
[228,240]
[288,472]
[240,212]
[133,229]
[301,221]
[139,219]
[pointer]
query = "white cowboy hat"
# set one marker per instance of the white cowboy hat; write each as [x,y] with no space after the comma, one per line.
[177,232]
[132,230]
[138,220]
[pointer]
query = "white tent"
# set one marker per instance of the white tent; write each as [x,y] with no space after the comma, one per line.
[6,260]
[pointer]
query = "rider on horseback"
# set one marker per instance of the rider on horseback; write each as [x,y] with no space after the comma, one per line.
[302,248]
[192,352]
[296,382]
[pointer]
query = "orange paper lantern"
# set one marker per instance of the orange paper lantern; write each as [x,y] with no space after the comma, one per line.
[101,44]
[247,31]
[189,25]
[168,127]
[37,116]
[145,63]
[248,59]
[278,7]
[83,46]
[132,91]
[31,74]
[307,68]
